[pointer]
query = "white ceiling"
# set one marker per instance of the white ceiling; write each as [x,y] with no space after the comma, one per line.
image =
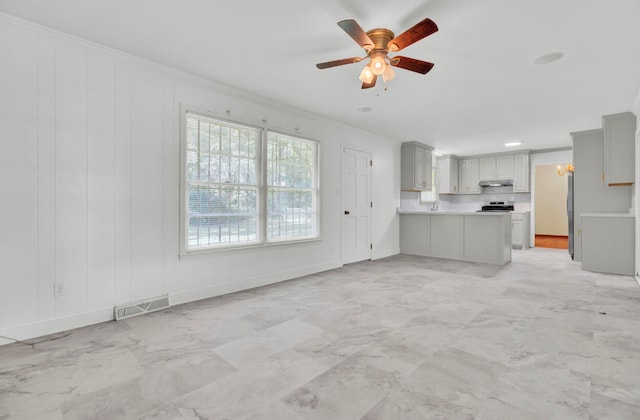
[483,91]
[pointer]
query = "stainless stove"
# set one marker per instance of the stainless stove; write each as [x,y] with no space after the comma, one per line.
[497,206]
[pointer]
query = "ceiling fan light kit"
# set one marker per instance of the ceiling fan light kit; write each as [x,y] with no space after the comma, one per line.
[377,43]
[367,74]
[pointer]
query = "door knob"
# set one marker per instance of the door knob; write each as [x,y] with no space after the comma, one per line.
[346,212]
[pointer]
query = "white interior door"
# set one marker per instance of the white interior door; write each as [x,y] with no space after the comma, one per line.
[356,203]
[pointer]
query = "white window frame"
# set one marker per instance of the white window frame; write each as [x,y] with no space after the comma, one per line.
[261,177]
[315,188]
[434,189]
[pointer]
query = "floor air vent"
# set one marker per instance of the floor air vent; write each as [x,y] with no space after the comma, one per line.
[138,308]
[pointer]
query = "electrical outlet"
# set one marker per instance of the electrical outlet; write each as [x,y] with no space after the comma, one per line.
[58,289]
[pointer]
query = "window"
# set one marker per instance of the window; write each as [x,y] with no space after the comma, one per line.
[431,196]
[292,209]
[240,190]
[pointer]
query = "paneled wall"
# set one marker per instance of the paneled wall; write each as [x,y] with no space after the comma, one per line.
[89,181]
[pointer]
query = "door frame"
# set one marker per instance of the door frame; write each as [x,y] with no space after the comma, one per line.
[343,147]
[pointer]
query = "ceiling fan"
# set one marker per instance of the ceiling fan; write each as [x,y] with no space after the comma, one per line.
[378,43]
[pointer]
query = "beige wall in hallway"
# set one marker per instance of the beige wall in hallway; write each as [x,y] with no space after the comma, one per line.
[551,201]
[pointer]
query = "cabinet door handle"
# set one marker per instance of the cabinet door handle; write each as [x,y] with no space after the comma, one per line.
[346,212]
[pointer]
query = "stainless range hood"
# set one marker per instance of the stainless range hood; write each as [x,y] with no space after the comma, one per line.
[497,183]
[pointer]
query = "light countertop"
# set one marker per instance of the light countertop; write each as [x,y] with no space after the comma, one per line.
[457,213]
[607,215]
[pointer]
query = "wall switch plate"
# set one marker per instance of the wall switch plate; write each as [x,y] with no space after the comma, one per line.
[58,289]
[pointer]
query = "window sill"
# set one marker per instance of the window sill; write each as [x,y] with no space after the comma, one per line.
[261,245]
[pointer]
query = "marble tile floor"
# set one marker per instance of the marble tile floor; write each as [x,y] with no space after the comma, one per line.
[398,338]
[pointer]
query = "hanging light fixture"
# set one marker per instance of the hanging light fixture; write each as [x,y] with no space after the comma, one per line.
[388,74]
[378,63]
[366,76]
[562,171]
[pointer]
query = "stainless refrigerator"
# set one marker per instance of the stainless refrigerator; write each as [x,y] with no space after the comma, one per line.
[570,211]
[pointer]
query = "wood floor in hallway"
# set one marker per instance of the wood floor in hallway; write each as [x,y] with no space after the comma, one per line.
[552,241]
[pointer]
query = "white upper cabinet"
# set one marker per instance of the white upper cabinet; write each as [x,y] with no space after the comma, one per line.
[619,148]
[505,166]
[521,172]
[496,167]
[416,167]
[472,170]
[447,175]
[487,168]
[469,176]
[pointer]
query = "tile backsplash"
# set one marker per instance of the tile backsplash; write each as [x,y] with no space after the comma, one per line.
[467,202]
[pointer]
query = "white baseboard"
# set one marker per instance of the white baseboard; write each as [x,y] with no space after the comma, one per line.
[51,326]
[384,253]
[237,286]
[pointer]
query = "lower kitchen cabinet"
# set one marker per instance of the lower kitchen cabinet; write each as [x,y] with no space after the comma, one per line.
[520,230]
[477,237]
[608,243]
[447,236]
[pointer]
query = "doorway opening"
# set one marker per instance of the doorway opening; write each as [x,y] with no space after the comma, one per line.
[552,227]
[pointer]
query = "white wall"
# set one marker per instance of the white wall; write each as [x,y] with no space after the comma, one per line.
[636,190]
[89,174]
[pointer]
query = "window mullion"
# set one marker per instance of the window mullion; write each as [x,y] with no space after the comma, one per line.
[263,189]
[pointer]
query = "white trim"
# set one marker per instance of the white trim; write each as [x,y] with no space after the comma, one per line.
[554,157]
[316,188]
[384,253]
[183,220]
[51,326]
[370,189]
[249,283]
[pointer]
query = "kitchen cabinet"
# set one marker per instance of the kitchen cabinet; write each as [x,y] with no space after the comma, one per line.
[447,175]
[590,194]
[447,236]
[619,148]
[491,168]
[477,237]
[504,166]
[520,230]
[608,244]
[487,168]
[469,176]
[416,166]
[521,172]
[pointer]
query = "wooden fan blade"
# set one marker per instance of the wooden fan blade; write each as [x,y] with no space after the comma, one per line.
[418,31]
[412,64]
[335,63]
[370,85]
[356,32]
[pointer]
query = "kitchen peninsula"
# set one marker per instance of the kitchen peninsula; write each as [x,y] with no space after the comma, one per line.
[467,236]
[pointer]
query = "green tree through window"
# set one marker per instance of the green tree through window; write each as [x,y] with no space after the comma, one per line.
[231,175]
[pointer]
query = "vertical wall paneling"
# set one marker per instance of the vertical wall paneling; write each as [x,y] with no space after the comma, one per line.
[146,183]
[71,177]
[101,185]
[18,177]
[171,181]
[89,175]
[122,183]
[46,177]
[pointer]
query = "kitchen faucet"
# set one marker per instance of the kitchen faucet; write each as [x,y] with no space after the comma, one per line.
[434,205]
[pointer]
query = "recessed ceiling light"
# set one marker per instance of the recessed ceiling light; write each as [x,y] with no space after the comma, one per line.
[365,109]
[513,144]
[549,58]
